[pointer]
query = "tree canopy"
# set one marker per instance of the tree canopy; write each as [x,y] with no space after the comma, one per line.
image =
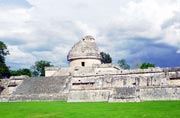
[19,72]
[38,69]
[4,70]
[147,65]
[106,58]
[123,64]
[3,52]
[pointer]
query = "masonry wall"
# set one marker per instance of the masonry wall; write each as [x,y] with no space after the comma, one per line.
[160,93]
[87,62]
[127,86]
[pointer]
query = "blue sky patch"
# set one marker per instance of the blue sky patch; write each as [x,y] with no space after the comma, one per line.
[22,3]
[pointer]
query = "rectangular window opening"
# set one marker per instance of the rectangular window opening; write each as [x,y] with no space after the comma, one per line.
[175,78]
[82,63]
[85,83]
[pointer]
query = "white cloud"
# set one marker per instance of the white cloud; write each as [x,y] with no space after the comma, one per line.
[13,21]
[178,51]
[18,56]
[171,30]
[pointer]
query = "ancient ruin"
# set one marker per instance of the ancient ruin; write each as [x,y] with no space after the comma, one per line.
[87,80]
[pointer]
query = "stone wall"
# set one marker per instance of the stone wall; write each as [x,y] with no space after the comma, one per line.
[88,96]
[125,86]
[160,93]
[124,94]
[87,62]
[38,97]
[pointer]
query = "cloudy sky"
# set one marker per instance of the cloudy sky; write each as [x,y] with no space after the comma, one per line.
[136,30]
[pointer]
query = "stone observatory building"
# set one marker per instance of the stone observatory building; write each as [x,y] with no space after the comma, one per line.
[84,53]
[88,80]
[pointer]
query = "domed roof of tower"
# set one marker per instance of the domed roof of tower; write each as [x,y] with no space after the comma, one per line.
[86,48]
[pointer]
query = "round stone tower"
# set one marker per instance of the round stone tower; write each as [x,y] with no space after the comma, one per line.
[84,53]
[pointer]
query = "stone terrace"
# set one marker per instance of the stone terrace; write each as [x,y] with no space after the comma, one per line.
[44,85]
[40,89]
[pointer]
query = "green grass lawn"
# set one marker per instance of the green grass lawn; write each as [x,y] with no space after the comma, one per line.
[59,109]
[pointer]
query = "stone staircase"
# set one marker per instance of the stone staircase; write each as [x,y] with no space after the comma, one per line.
[40,89]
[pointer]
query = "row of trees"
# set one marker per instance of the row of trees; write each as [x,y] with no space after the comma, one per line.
[106,58]
[38,69]
[24,71]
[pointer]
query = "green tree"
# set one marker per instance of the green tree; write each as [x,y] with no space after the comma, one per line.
[105,57]
[19,72]
[3,52]
[4,70]
[123,64]
[38,69]
[147,65]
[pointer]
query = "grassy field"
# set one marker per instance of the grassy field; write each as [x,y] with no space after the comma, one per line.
[59,109]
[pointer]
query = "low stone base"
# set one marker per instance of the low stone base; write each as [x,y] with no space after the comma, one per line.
[34,97]
[89,96]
